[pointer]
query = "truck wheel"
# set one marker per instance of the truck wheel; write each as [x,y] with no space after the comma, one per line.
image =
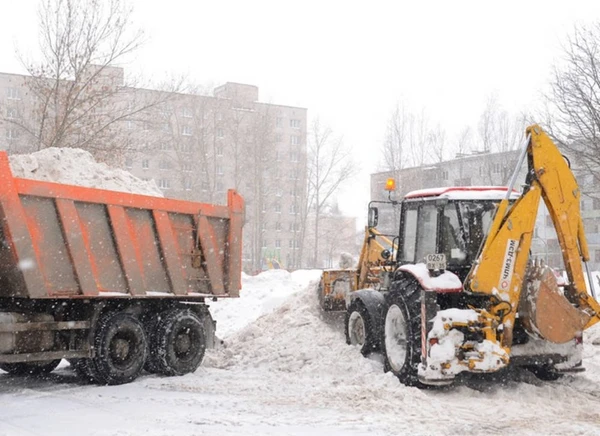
[120,349]
[30,368]
[360,328]
[401,341]
[81,368]
[180,342]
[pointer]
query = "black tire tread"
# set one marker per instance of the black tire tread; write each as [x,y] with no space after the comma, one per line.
[406,293]
[371,340]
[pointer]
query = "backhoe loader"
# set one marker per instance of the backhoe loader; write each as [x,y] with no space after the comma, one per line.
[456,289]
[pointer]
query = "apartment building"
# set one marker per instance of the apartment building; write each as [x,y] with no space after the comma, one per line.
[194,146]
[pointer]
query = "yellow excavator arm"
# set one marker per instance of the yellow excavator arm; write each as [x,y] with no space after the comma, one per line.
[503,269]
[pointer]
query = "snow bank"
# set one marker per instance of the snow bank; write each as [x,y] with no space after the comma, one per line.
[260,295]
[77,167]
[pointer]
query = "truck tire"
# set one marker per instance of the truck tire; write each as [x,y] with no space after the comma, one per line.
[81,368]
[360,328]
[120,349]
[179,344]
[401,332]
[30,368]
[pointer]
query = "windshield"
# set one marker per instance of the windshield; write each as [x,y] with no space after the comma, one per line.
[464,226]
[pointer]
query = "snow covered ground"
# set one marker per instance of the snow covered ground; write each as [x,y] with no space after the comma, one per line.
[286,370]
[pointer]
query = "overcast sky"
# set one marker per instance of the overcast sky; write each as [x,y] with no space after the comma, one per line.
[349,62]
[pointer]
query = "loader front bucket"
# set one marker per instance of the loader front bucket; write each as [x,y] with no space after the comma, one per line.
[546,312]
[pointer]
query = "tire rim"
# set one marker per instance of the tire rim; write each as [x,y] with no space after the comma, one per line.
[122,349]
[356,329]
[396,335]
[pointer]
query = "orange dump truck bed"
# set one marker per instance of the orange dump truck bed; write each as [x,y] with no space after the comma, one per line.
[116,283]
[64,242]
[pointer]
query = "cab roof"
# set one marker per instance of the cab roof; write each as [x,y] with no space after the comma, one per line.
[463,193]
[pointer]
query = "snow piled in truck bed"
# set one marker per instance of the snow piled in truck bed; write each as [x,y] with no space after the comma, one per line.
[74,166]
[285,369]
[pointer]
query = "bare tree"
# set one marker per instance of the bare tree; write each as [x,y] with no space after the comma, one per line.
[574,99]
[395,140]
[498,130]
[436,140]
[417,138]
[76,92]
[329,164]
[464,141]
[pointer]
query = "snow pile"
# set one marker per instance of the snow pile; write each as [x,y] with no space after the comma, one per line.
[260,295]
[77,167]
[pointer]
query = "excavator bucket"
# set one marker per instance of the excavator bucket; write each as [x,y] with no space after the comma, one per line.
[545,311]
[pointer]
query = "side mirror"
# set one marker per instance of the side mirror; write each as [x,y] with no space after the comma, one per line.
[373,217]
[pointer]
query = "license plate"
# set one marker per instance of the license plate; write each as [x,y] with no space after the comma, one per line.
[436,261]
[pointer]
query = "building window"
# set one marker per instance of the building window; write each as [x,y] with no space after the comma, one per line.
[129,125]
[205,185]
[164,183]
[279,191]
[295,140]
[187,112]
[219,150]
[277,243]
[444,175]
[294,227]
[12,134]
[186,148]
[293,174]
[128,163]
[293,209]
[186,166]
[278,226]
[219,116]
[220,186]
[293,156]
[220,170]
[220,133]
[187,184]
[165,127]
[277,208]
[11,113]
[278,137]
[279,122]
[293,191]
[264,243]
[13,94]
[145,164]
[295,124]
[163,146]
[164,165]
[186,131]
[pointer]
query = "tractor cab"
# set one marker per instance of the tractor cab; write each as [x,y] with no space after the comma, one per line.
[446,226]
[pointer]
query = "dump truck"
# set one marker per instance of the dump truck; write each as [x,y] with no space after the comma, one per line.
[456,290]
[113,282]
